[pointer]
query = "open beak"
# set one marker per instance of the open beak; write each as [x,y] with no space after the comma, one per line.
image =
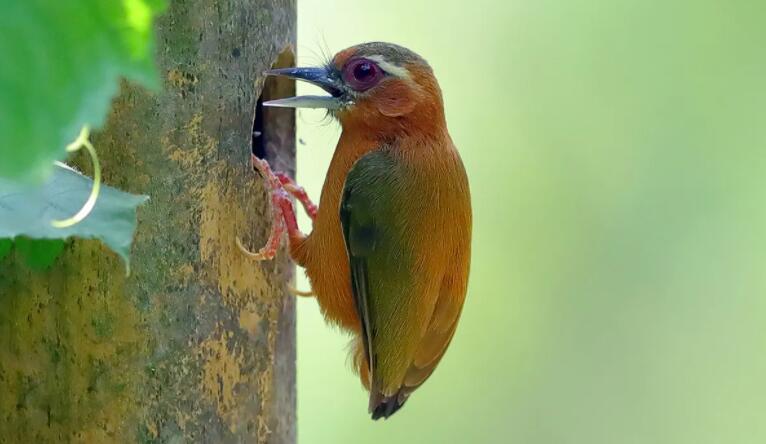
[316,76]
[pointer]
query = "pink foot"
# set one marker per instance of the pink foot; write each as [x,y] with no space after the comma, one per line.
[299,193]
[282,212]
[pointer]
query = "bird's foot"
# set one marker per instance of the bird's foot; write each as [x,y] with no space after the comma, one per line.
[299,193]
[283,214]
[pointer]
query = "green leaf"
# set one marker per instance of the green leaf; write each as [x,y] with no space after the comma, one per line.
[39,253]
[27,210]
[5,247]
[61,63]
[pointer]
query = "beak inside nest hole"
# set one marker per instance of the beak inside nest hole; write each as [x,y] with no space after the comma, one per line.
[273,136]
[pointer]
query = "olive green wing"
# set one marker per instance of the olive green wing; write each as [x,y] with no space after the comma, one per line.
[367,214]
[377,220]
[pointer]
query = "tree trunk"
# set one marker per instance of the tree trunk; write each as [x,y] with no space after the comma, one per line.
[198,343]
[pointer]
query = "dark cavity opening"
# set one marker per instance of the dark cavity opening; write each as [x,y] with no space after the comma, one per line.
[273,135]
[259,148]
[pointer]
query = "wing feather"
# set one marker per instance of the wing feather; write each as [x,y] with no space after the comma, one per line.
[408,310]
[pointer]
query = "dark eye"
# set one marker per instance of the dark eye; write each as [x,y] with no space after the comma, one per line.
[363,71]
[362,74]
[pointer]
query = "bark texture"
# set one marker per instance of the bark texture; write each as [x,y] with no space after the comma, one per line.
[197,344]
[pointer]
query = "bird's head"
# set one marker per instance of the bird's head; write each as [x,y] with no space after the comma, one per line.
[378,87]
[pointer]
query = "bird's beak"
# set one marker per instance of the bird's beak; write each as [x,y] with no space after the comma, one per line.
[317,76]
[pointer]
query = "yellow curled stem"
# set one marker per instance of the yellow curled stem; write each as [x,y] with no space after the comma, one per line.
[83,141]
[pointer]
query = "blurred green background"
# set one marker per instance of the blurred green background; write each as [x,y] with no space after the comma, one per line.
[616,152]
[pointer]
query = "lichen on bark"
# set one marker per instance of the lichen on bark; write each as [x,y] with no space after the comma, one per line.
[197,344]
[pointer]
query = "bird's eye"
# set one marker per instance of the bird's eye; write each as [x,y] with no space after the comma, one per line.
[363,71]
[362,74]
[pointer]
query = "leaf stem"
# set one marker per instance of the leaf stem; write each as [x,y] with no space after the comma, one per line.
[83,141]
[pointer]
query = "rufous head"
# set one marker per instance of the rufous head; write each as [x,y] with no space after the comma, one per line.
[377,87]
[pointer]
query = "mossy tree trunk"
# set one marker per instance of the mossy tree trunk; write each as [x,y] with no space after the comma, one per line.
[197,344]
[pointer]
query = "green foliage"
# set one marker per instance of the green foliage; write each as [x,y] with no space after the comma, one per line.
[5,247]
[30,210]
[38,253]
[61,64]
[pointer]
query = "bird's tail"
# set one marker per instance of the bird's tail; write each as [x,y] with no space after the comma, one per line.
[382,406]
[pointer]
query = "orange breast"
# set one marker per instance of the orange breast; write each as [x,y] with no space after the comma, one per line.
[323,252]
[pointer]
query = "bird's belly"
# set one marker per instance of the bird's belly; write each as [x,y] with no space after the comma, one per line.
[323,252]
[327,268]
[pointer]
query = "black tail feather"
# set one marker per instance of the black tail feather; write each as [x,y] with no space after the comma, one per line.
[387,406]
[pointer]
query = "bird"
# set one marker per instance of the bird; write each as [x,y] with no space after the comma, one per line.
[388,257]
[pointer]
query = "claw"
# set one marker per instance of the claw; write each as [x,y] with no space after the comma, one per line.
[294,291]
[259,256]
[282,212]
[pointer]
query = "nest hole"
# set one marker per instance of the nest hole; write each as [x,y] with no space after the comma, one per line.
[273,136]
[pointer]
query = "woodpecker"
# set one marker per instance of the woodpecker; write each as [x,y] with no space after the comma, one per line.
[389,255]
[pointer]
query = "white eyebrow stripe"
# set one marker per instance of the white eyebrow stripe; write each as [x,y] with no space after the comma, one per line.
[390,68]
